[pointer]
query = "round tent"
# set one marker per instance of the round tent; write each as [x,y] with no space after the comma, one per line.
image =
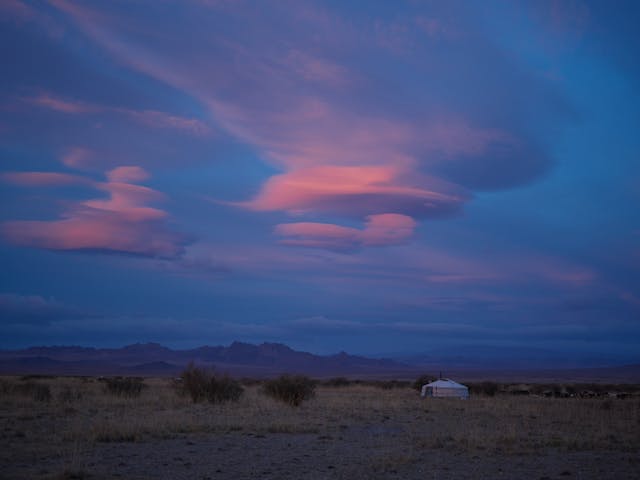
[444,388]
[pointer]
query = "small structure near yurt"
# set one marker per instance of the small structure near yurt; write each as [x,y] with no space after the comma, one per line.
[444,388]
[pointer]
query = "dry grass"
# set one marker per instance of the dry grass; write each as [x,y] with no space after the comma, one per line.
[80,414]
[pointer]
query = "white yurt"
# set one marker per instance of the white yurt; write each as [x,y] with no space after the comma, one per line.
[444,388]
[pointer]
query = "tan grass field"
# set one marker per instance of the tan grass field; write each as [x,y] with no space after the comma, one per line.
[357,431]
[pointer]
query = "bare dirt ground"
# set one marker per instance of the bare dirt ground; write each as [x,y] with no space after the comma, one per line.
[353,432]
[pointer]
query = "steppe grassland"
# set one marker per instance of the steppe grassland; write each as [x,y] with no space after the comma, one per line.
[80,413]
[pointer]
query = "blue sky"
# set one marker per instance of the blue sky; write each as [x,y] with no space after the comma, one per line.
[369,177]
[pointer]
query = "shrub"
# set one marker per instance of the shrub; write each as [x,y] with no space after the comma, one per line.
[200,385]
[224,389]
[291,389]
[484,388]
[422,380]
[193,382]
[124,386]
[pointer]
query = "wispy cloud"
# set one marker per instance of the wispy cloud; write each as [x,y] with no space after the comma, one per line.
[149,118]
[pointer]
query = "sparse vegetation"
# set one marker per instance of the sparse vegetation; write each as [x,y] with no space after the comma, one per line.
[200,385]
[124,386]
[69,394]
[39,392]
[290,389]
[396,428]
[391,384]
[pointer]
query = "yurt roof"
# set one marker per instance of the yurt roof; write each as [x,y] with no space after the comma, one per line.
[445,383]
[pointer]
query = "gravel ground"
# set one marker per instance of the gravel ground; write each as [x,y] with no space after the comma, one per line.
[352,455]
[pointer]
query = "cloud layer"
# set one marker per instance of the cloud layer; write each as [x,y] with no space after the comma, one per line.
[412,165]
[307,109]
[120,223]
[380,230]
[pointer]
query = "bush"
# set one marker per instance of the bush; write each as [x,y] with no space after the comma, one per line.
[200,385]
[290,389]
[484,388]
[422,380]
[124,386]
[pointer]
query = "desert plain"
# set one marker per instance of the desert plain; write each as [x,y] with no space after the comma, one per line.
[74,428]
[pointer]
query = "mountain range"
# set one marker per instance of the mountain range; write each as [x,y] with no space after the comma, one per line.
[238,358]
[270,359]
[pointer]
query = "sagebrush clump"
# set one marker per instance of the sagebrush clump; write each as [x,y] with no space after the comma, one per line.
[125,386]
[201,385]
[291,389]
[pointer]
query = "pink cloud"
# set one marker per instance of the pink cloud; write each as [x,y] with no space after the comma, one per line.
[77,157]
[380,230]
[58,104]
[337,155]
[127,174]
[122,223]
[363,190]
[128,201]
[310,131]
[93,230]
[388,229]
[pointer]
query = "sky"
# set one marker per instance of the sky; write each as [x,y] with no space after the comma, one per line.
[365,176]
